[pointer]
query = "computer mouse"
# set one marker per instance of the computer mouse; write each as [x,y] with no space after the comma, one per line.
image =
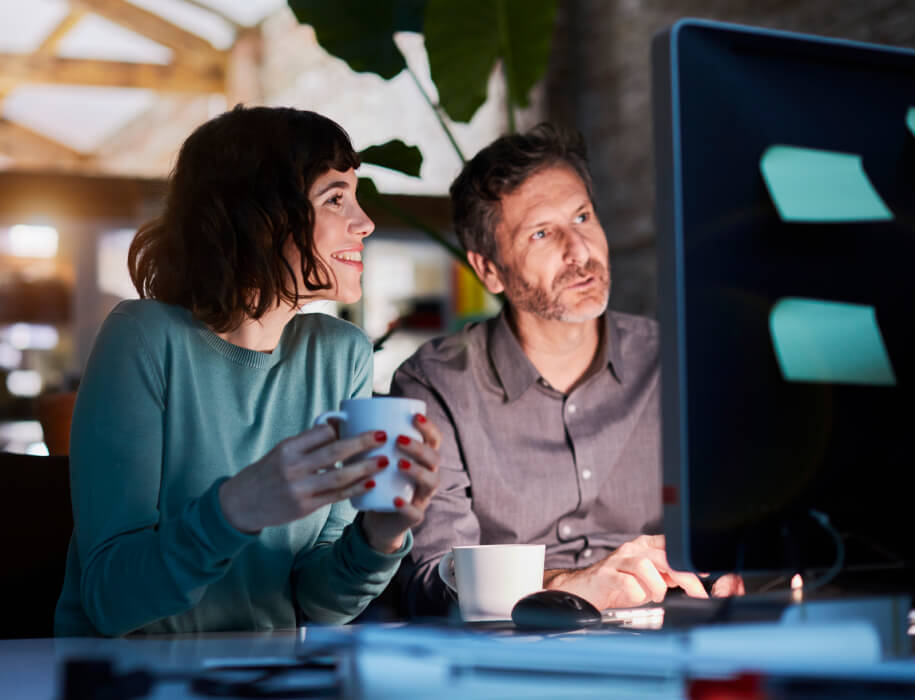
[554,610]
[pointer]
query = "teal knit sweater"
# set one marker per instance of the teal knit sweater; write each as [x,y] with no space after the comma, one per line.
[167,411]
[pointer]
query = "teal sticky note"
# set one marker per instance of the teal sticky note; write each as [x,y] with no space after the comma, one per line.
[910,119]
[808,185]
[828,341]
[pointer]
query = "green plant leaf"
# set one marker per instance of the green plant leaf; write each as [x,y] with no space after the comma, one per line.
[465,39]
[394,155]
[361,32]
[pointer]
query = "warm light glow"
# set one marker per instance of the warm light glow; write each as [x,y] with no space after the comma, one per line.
[797,588]
[32,241]
[24,382]
[31,336]
[10,357]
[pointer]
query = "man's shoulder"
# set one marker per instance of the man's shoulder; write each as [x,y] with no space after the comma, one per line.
[635,327]
[449,354]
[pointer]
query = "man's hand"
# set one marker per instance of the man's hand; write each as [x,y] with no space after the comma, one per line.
[635,573]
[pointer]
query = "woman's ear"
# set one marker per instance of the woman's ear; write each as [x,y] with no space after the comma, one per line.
[487,271]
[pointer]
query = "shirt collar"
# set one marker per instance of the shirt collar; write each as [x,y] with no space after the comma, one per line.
[516,372]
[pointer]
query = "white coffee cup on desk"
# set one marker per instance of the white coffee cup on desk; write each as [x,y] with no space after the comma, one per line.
[393,415]
[490,578]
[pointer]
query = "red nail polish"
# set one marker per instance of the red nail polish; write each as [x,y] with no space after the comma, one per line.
[398,502]
[370,484]
[420,418]
[403,464]
[382,462]
[403,440]
[380,436]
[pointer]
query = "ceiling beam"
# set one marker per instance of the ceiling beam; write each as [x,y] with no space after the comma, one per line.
[175,77]
[32,150]
[52,40]
[213,11]
[189,47]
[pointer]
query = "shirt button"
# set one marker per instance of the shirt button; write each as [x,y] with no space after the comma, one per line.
[572,408]
[586,474]
[587,553]
[566,530]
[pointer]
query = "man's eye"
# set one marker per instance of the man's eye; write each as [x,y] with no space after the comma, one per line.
[537,235]
[582,218]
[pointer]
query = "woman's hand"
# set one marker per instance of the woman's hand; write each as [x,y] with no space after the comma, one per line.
[297,477]
[385,531]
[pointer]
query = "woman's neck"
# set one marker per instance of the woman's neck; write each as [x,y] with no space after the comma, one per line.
[262,334]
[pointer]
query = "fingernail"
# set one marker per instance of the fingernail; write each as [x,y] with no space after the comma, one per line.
[398,502]
[403,464]
[420,418]
[403,440]
[370,484]
[380,436]
[382,462]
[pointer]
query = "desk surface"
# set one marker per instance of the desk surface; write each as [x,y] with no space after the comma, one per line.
[384,661]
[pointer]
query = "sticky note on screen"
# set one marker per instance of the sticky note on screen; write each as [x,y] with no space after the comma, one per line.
[828,341]
[808,185]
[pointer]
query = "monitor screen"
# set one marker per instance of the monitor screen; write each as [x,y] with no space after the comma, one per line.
[785,185]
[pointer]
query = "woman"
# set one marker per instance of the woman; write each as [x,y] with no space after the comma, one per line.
[202,498]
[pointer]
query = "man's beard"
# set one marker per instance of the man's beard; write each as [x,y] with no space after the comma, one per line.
[547,304]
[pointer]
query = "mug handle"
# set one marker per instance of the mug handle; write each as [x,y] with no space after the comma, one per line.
[324,417]
[446,571]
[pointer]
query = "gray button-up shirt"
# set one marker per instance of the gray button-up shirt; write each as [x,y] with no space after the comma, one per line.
[525,463]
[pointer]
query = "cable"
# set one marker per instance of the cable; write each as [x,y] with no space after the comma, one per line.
[839,562]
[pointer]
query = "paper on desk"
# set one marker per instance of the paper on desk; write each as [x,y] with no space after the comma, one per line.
[828,341]
[809,185]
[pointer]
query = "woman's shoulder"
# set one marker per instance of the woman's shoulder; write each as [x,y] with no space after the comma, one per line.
[152,321]
[324,328]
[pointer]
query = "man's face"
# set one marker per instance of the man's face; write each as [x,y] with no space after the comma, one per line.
[553,260]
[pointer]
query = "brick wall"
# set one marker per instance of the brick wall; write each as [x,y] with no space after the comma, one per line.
[600,82]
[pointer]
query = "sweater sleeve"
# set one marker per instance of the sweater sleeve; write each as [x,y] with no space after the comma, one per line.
[136,566]
[339,577]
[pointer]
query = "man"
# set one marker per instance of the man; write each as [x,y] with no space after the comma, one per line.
[550,410]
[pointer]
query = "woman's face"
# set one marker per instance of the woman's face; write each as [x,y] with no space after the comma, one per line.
[340,226]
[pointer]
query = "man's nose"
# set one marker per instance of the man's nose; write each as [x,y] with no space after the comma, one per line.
[576,250]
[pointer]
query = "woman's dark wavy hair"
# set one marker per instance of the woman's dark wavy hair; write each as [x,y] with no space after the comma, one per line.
[502,167]
[237,195]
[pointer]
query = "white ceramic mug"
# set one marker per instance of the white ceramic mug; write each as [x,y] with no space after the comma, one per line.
[394,415]
[490,578]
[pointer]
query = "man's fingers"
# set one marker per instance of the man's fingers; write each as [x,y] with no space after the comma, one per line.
[648,576]
[728,585]
[690,583]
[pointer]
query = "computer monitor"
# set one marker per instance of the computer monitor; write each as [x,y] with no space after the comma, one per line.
[785,187]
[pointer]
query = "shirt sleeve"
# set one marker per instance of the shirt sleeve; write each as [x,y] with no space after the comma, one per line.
[136,567]
[449,518]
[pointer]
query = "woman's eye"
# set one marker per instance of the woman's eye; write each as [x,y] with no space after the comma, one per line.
[336,200]
[582,218]
[536,236]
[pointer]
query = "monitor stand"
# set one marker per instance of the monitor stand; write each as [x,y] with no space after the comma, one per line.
[888,614]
